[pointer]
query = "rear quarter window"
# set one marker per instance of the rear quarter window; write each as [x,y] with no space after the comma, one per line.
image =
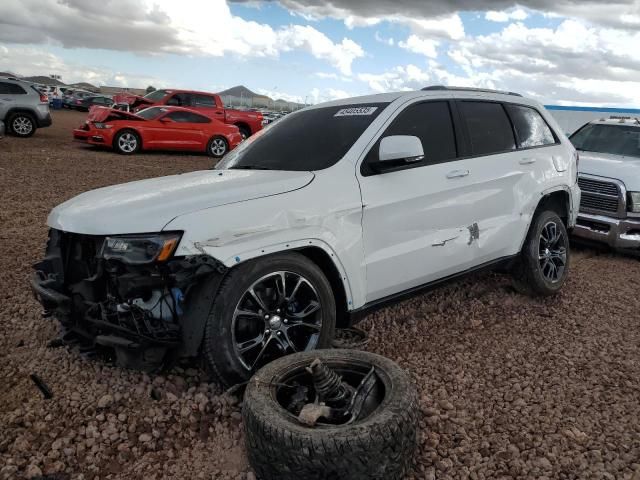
[7,88]
[531,129]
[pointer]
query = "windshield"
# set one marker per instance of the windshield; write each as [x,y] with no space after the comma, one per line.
[151,113]
[156,95]
[613,139]
[311,139]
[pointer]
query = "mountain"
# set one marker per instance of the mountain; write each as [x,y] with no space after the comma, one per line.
[44,80]
[241,91]
[9,74]
[241,95]
[85,86]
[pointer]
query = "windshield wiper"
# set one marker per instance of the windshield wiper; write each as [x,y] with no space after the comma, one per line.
[250,167]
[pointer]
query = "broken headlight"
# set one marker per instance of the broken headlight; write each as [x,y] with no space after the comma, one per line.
[102,126]
[140,249]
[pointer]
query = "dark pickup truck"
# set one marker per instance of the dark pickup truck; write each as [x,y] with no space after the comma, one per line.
[208,104]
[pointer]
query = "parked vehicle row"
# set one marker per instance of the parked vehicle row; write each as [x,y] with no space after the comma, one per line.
[254,260]
[209,104]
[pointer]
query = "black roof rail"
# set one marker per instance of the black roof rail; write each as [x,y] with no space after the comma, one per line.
[466,89]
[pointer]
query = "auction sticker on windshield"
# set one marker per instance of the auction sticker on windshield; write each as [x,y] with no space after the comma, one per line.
[355,111]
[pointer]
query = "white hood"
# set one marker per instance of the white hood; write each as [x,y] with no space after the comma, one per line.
[626,169]
[148,205]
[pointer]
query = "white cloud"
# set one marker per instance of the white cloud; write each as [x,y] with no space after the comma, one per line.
[506,15]
[29,61]
[422,46]
[387,41]
[187,27]
[409,77]
[575,62]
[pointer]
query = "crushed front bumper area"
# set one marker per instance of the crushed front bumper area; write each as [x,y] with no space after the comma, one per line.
[139,312]
[617,233]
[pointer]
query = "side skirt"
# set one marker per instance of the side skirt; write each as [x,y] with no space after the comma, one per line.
[359,313]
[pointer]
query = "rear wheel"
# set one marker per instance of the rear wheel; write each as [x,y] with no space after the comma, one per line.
[22,124]
[127,142]
[265,309]
[543,266]
[217,147]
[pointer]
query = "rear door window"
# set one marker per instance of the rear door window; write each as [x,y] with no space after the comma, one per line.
[431,122]
[203,100]
[489,127]
[180,100]
[531,129]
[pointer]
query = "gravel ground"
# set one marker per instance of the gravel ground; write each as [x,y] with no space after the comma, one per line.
[510,387]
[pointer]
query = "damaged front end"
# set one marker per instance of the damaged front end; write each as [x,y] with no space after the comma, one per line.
[127,297]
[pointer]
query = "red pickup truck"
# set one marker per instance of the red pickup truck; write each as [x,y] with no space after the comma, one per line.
[208,104]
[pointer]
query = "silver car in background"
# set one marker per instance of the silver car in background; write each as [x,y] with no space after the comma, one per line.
[23,108]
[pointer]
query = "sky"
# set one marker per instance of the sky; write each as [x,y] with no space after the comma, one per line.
[563,52]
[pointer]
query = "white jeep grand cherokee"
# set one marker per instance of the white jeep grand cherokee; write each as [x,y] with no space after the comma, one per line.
[331,212]
[610,181]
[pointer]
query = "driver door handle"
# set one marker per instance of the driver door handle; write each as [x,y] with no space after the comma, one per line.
[527,161]
[457,173]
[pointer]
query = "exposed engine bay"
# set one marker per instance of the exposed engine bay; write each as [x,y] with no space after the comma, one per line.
[124,297]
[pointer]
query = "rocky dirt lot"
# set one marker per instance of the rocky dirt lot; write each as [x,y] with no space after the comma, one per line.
[509,387]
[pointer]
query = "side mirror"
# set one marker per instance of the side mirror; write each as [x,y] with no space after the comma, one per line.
[165,120]
[400,148]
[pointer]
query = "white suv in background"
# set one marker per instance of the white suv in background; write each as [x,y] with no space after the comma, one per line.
[332,212]
[610,181]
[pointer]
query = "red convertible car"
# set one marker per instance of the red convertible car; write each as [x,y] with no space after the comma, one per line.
[158,128]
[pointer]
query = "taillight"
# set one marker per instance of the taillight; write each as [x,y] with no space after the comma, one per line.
[44,98]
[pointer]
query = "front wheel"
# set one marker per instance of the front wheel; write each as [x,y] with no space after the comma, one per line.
[127,142]
[244,132]
[217,147]
[543,266]
[265,309]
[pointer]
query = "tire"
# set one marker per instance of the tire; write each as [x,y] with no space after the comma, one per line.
[217,147]
[127,142]
[227,333]
[22,124]
[379,446]
[245,132]
[531,273]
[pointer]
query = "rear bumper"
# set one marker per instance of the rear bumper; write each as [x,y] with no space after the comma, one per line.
[617,233]
[45,121]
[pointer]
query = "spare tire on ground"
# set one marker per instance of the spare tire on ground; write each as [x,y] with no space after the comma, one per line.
[352,415]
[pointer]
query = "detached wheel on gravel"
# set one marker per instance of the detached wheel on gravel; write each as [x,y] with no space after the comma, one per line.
[22,124]
[264,309]
[376,443]
[543,266]
[127,142]
[217,147]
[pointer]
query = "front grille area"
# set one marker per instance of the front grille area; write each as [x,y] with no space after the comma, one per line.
[599,196]
[597,186]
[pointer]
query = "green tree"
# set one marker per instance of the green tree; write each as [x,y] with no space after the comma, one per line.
[151,88]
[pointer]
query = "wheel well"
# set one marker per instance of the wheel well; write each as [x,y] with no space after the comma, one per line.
[557,202]
[19,110]
[323,260]
[243,125]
